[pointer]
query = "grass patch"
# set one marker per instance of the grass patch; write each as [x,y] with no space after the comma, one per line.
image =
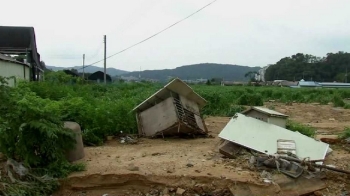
[303,129]
[338,101]
[345,134]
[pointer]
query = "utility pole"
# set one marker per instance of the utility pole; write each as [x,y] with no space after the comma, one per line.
[346,75]
[83,66]
[104,63]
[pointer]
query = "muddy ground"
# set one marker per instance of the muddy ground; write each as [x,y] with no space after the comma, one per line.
[160,167]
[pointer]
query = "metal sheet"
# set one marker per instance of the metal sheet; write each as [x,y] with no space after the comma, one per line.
[176,86]
[262,137]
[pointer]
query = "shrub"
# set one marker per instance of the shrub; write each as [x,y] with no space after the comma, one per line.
[338,101]
[345,134]
[347,106]
[33,129]
[303,129]
[234,109]
[250,99]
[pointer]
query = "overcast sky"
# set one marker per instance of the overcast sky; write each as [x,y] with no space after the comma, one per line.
[250,32]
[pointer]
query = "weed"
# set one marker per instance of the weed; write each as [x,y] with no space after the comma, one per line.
[338,101]
[303,129]
[345,134]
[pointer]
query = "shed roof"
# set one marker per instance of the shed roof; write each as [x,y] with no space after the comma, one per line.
[176,86]
[9,59]
[262,137]
[266,111]
[19,39]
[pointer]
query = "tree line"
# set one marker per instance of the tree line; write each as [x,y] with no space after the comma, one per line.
[333,67]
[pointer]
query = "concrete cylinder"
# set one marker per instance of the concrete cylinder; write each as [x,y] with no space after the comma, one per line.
[77,152]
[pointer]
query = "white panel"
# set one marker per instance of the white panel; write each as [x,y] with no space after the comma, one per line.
[262,137]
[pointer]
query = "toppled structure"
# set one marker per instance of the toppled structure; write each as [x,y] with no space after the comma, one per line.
[267,115]
[173,110]
[263,137]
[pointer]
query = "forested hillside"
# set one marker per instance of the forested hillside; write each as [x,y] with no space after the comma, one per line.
[331,68]
[204,70]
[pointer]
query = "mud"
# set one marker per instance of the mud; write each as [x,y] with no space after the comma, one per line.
[135,184]
[156,166]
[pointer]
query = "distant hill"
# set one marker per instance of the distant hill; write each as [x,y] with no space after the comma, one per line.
[90,69]
[197,71]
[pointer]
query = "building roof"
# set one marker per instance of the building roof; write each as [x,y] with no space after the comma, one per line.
[176,86]
[262,137]
[19,40]
[308,83]
[99,75]
[266,111]
[9,59]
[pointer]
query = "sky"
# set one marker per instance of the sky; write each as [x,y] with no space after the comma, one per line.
[249,33]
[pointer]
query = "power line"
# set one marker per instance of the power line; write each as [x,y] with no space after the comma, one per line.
[140,42]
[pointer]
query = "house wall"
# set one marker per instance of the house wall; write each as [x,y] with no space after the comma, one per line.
[158,117]
[266,118]
[9,69]
[190,105]
[258,115]
[278,121]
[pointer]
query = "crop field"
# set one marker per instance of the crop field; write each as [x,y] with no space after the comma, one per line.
[32,114]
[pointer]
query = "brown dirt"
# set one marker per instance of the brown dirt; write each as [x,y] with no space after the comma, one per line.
[327,119]
[121,169]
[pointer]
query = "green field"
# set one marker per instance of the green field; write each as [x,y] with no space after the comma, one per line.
[32,113]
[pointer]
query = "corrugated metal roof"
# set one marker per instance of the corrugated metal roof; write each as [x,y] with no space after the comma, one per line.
[334,84]
[262,137]
[176,86]
[266,111]
[308,84]
[9,59]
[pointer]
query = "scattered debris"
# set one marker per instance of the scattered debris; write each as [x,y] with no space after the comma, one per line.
[286,147]
[173,110]
[262,137]
[128,140]
[132,167]
[180,191]
[20,178]
[347,140]
[229,149]
[189,165]
[292,166]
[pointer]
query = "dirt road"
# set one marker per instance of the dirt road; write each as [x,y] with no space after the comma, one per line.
[121,169]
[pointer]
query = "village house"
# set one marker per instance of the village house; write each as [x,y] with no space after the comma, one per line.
[9,67]
[173,110]
[98,77]
[21,41]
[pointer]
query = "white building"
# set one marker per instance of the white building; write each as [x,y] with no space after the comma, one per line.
[9,67]
[261,74]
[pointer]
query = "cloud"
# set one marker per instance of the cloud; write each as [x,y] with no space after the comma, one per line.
[251,32]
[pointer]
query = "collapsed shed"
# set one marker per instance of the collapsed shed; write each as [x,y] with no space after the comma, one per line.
[267,115]
[173,110]
[263,137]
